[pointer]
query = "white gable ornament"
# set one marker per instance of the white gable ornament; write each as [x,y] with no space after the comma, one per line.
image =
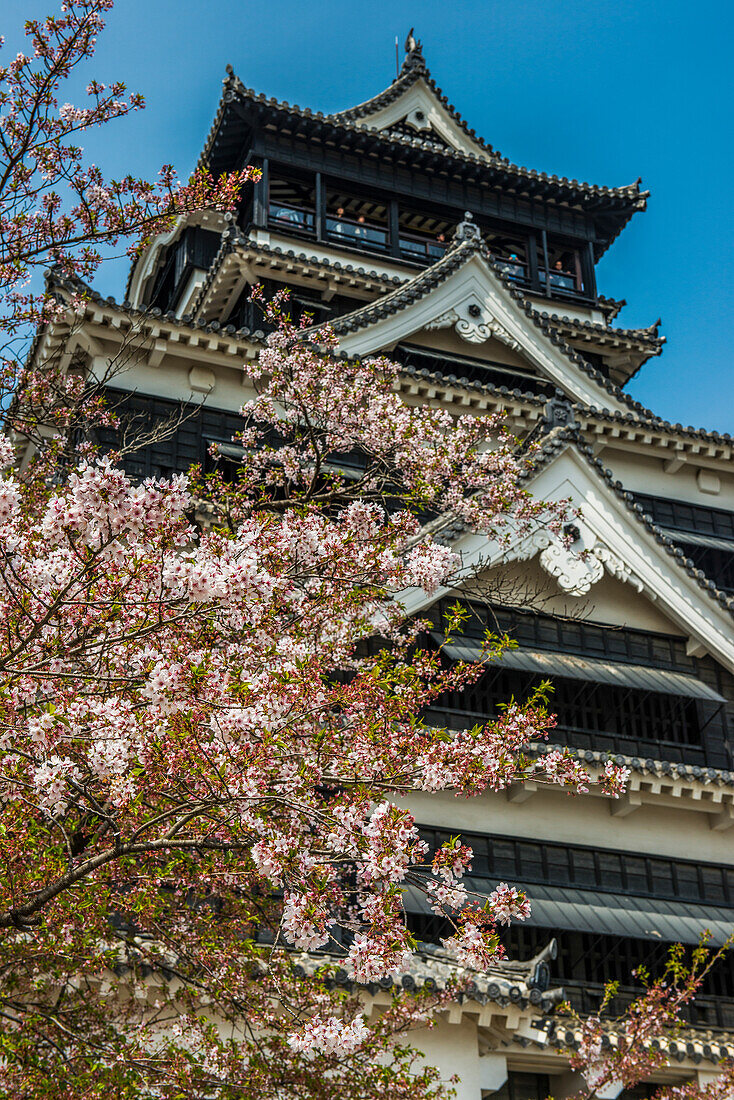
[476,326]
[616,566]
[573,572]
[417,119]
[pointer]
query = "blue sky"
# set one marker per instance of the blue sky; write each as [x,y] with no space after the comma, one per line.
[591,89]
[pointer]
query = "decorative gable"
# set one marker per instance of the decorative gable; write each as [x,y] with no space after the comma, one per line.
[418,112]
[610,540]
[464,292]
[414,105]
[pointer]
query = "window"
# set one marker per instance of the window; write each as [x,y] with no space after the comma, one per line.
[713,885]
[558,865]
[480,862]
[687,885]
[661,877]
[357,222]
[584,872]
[634,720]
[195,249]
[511,255]
[504,859]
[564,272]
[531,863]
[587,868]
[423,237]
[194,430]
[610,870]
[292,204]
[523,1086]
[636,875]
[717,564]
[688,517]
[476,370]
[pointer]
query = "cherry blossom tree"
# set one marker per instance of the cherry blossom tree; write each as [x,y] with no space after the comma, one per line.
[57,209]
[636,1052]
[211,697]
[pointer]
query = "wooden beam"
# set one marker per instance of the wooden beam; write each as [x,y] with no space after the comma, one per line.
[626,804]
[261,197]
[320,207]
[521,792]
[723,820]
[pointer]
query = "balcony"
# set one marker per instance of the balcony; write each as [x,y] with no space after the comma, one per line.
[514,269]
[383,226]
[422,250]
[563,280]
[356,232]
[641,746]
[291,219]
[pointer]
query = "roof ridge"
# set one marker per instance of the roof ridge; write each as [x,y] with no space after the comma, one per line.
[652,421]
[648,334]
[457,254]
[232,237]
[558,437]
[153,313]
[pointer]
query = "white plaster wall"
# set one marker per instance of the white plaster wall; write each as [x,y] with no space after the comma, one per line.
[170,380]
[453,1049]
[448,340]
[646,474]
[609,601]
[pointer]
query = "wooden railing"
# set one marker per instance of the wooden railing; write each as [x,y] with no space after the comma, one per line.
[357,234]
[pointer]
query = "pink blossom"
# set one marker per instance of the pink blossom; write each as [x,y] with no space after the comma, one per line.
[330,1036]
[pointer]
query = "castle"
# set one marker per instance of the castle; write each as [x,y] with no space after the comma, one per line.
[413,237]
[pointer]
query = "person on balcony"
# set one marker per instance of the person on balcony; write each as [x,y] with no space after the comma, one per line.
[289,214]
[340,227]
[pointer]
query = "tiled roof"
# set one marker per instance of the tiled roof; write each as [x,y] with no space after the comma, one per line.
[233,240]
[646,421]
[646,339]
[687,1043]
[153,314]
[408,292]
[631,196]
[690,772]
[652,423]
[505,982]
[610,306]
[433,276]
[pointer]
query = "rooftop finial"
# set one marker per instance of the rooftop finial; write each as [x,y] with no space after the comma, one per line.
[413,51]
[468,230]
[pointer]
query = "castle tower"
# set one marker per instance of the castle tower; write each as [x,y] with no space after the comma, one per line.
[415,238]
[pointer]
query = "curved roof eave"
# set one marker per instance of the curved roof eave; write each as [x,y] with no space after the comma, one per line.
[570,191]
